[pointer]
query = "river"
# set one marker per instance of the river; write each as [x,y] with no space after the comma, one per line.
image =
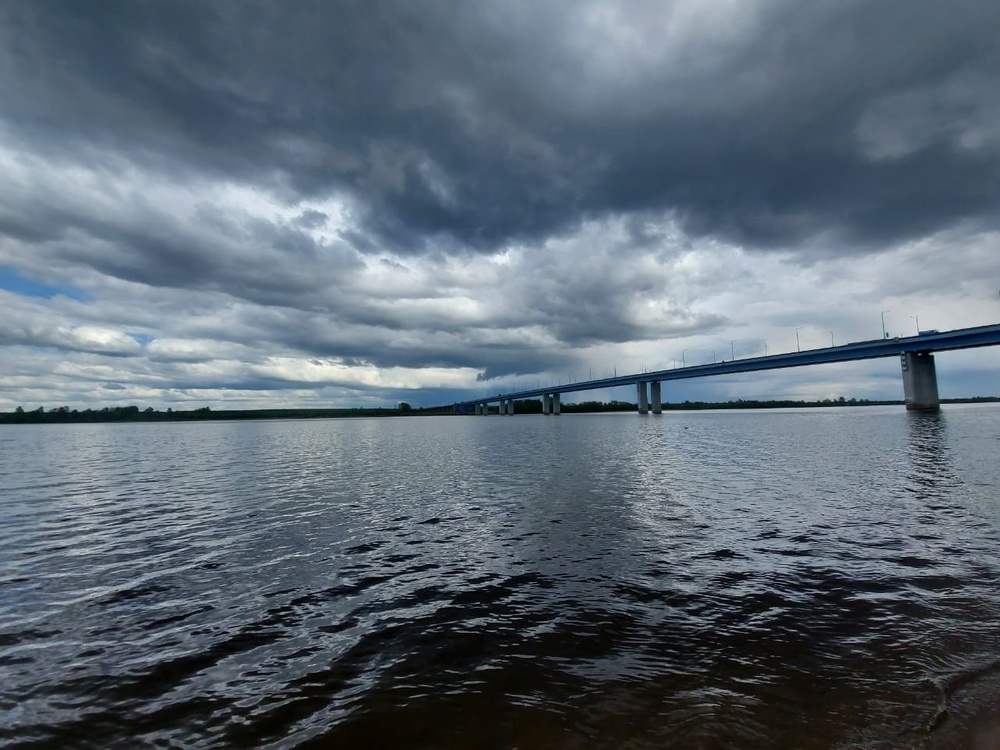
[811,578]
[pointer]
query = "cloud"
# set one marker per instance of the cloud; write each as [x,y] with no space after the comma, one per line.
[353,199]
[471,127]
[28,324]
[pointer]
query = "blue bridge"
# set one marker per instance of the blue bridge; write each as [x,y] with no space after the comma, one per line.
[916,355]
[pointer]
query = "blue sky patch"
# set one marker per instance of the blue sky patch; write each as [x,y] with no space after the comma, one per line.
[13,281]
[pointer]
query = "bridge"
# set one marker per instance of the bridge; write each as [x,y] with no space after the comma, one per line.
[916,355]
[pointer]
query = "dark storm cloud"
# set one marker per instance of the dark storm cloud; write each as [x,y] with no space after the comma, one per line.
[467,126]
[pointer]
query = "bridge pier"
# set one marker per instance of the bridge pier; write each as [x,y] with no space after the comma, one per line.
[546,404]
[655,398]
[920,389]
[555,404]
[640,390]
[510,407]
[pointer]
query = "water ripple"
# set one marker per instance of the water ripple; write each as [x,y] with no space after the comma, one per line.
[781,579]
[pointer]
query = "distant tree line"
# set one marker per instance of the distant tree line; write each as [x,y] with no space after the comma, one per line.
[534,406]
[63,414]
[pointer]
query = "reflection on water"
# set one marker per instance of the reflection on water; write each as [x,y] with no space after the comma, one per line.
[745,579]
[927,450]
[968,684]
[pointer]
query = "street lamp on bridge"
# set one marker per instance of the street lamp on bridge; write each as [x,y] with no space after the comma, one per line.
[798,346]
[884,334]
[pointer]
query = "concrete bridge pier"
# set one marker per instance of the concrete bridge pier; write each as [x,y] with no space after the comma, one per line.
[550,403]
[640,389]
[655,398]
[510,407]
[920,389]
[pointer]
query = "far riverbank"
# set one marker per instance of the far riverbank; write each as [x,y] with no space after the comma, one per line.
[66,415]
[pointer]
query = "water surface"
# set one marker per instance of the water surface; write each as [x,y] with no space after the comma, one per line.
[801,578]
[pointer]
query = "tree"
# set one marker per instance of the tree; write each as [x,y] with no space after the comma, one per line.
[403,406]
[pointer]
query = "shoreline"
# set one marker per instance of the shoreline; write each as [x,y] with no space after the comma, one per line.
[63,415]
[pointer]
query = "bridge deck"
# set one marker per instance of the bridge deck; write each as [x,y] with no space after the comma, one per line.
[962,338]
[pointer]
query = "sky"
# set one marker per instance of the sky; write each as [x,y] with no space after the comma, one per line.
[261,204]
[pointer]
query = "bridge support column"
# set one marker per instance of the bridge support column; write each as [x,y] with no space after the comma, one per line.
[510,407]
[555,404]
[546,404]
[640,389]
[656,402]
[919,381]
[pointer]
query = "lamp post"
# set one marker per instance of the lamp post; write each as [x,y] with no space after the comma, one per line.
[831,338]
[683,363]
[917,321]
[884,334]
[798,346]
[732,348]
[713,356]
